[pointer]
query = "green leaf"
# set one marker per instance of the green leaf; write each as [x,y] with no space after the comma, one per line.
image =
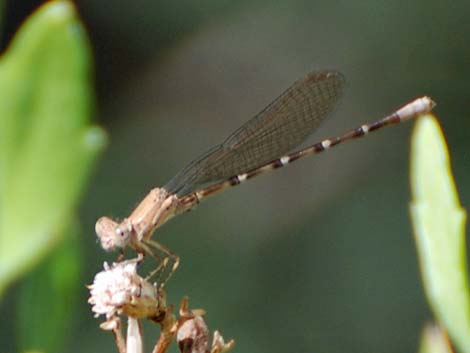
[46,143]
[439,227]
[434,340]
[49,297]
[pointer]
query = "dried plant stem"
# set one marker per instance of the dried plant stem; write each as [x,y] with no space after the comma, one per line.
[134,340]
[169,327]
[119,339]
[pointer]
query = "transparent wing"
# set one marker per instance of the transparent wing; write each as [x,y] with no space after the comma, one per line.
[280,127]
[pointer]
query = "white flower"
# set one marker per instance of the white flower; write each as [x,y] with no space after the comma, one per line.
[119,289]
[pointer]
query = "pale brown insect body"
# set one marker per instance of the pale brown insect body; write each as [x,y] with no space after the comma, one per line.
[261,145]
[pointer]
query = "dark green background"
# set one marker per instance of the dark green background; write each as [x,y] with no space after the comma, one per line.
[318,257]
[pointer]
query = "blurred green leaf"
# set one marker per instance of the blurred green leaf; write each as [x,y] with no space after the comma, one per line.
[48,298]
[434,340]
[439,227]
[46,143]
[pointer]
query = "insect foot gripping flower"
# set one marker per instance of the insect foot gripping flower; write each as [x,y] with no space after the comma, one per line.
[120,290]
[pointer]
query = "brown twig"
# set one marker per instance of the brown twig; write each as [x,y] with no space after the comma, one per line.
[119,338]
[169,327]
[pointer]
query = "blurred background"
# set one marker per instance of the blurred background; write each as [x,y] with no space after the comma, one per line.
[315,257]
